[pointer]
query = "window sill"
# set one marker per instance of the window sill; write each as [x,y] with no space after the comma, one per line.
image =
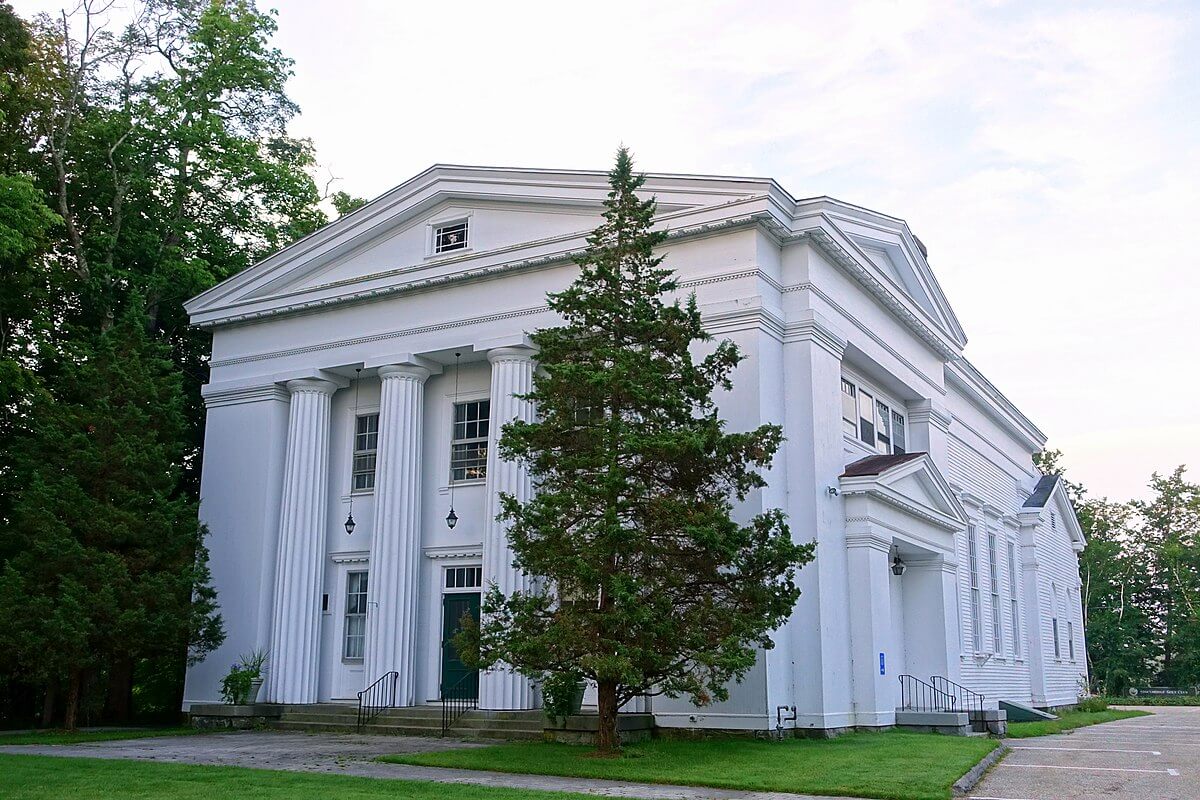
[449,254]
[472,482]
[352,662]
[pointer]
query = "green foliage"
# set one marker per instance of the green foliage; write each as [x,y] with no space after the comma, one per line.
[141,162]
[650,585]
[560,694]
[39,777]
[1091,705]
[1141,582]
[1066,721]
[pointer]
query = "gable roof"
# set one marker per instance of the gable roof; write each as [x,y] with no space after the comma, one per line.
[1042,491]
[910,482]
[290,280]
[876,465]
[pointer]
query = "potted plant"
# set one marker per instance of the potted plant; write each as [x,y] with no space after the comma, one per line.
[244,679]
[562,695]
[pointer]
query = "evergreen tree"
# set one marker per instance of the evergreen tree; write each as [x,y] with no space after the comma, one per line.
[646,584]
[107,564]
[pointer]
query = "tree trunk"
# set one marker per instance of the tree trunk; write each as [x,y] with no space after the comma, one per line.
[120,690]
[72,713]
[606,727]
[48,704]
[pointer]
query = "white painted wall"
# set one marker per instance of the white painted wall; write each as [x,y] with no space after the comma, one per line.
[787,281]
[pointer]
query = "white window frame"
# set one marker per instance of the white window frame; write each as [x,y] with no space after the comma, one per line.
[448,220]
[359,616]
[994,581]
[976,597]
[1054,621]
[485,440]
[864,393]
[462,578]
[355,453]
[1014,608]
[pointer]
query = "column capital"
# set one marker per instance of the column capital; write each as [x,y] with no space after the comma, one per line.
[509,353]
[931,412]
[410,371]
[318,385]
[870,541]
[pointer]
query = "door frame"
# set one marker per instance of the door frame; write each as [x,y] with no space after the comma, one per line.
[472,586]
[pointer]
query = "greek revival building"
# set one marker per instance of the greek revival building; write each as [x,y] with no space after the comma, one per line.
[363,374]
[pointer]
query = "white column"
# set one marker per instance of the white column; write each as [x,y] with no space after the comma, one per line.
[295,633]
[512,374]
[928,430]
[392,589]
[870,628]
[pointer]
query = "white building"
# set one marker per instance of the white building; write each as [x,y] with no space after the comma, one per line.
[897,448]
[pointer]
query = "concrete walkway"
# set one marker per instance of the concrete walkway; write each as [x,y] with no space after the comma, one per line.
[352,755]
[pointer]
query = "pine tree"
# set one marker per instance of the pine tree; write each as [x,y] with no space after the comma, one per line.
[646,584]
[107,565]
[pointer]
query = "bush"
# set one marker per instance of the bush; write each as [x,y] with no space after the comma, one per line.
[236,686]
[1091,705]
[561,692]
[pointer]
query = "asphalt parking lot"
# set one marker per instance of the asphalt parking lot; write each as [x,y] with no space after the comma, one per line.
[1144,758]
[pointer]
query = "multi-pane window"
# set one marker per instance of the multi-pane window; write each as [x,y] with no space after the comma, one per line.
[366,443]
[849,408]
[1054,620]
[973,565]
[450,237]
[872,421]
[469,441]
[1012,599]
[464,577]
[994,576]
[356,615]
[1070,640]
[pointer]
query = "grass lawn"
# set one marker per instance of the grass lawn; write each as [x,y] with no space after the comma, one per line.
[41,777]
[894,765]
[1067,720]
[75,737]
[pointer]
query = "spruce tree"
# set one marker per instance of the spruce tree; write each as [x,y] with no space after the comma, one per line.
[646,583]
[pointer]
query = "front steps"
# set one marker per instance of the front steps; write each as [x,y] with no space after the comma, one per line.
[413,721]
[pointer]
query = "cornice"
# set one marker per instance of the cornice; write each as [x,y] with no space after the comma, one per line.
[218,396]
[351,557]
[454,551]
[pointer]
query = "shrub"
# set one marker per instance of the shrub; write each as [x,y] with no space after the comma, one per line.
[1091,705]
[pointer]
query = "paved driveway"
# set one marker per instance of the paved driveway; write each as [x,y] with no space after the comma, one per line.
[1144,758]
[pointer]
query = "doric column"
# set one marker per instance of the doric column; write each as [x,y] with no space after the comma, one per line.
[392,589]
[295,633]
[928,430]
[512,374]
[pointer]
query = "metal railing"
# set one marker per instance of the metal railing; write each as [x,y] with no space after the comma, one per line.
[462,696]
[917,695]
[375,698]
[967,700]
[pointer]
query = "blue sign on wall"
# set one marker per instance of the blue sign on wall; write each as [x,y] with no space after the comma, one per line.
[881,670]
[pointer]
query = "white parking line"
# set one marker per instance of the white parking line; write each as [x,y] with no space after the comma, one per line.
[1091,750]
[1091,769]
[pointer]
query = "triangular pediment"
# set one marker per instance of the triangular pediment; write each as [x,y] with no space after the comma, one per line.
[907,272]
[513,215]
[911,482]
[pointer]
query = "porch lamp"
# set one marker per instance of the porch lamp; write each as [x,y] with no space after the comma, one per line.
[349,523]
[452,518]
[898,566]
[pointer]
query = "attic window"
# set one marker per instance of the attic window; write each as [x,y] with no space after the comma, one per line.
[450,237]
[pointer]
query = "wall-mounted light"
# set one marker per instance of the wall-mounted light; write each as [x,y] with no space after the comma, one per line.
[898,566]
[832,491]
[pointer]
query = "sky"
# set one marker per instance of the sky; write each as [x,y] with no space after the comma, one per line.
[1046,153]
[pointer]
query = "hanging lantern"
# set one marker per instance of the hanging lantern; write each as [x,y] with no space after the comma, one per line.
[452,518]
[898,566]
[349,523]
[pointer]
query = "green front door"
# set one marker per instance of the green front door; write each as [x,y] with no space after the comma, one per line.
[459,682]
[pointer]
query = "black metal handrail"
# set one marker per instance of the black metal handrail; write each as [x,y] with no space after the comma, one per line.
[917,695]
[968,700]
[375,698]
[458,699]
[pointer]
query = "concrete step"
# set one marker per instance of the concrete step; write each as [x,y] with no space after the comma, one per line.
[334,727]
